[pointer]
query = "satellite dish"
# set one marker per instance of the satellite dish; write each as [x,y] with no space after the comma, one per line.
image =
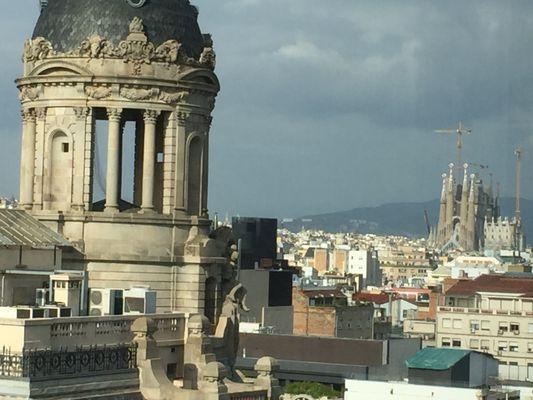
[136,3]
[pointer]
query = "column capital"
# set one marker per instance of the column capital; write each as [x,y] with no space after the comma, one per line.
[114,114]
[182,118]
[150,116]
[81,112]
[28,115]
[41,113]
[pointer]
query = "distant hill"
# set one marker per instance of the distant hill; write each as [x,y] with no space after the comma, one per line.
[405,219]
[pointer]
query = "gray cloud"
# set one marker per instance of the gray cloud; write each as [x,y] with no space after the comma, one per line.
[331,105]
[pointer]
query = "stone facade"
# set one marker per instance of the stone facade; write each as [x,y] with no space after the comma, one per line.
[161,239]
[462,213]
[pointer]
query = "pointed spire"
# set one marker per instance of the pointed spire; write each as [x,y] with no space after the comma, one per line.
[443,192]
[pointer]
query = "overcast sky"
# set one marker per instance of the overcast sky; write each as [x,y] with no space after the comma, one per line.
[330,105]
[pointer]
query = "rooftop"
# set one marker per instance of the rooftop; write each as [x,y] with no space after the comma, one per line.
[66,23]
[521,285]
[18,228]
[436,359]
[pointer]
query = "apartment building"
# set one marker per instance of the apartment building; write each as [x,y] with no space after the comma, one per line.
[493,314]
[365,263]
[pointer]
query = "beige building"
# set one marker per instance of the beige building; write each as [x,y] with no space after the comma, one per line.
[493,313]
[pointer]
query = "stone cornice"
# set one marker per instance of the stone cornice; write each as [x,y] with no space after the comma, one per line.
[134,49]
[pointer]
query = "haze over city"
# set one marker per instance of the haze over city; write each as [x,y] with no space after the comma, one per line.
[323,114]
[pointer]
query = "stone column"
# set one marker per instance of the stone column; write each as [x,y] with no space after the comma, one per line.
[150,120]
[113,160]
[27,158]
[179,202]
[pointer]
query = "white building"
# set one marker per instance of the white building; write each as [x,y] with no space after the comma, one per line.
[474,266]
[365,263]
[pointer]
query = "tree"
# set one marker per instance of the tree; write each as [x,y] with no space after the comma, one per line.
[314,389]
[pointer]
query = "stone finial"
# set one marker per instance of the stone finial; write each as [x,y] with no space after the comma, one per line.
[199,324]
[144,327]
[213,379]
[266,366]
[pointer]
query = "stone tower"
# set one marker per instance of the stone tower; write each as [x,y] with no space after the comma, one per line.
[462,212]
[108,63]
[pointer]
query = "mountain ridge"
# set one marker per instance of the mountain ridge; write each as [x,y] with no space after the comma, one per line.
[401,218]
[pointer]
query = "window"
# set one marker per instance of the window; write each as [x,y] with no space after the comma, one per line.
[64,147]
[474,343]
[160,157]
[457,324]
[514,327]
[446,323]
[502,346]
[485,325]
[485,345]
[503,327]
[474,325]
[446,342]
[456,343]
[513,346]
[530,347]
[530,328]
[404,313]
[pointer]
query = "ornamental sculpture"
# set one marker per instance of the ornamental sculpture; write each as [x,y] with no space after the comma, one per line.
[135,49]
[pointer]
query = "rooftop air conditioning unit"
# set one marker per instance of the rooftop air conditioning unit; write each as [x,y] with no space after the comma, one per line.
[42,296]
[105,302]
[139,300]
[57,311]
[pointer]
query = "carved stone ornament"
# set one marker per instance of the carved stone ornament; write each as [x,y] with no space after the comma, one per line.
[135,48]
[37,49]
[136,25]
[150,116]
[173,97]
[30,93]
[81,112]
[28,115]
[41,113]
[139,94]
[96,47]
[208,58]
[98,92]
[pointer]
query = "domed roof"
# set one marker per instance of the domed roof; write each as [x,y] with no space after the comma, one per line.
[66,23]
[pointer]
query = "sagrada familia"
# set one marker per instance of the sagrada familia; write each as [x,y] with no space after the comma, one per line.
[143,64]
[464,209]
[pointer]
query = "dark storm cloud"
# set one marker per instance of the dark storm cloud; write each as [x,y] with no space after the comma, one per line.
[328,105]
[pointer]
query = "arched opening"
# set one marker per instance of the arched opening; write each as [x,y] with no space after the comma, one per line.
[194,178]
[210,308]
[60,171]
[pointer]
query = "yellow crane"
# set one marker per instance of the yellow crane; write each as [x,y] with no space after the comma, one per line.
[460,131]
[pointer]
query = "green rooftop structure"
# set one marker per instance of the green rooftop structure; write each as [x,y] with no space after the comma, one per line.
[437,359]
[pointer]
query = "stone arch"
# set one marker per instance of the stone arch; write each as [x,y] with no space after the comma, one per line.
[59,68]
[194,164]
[201,76]
[60,170]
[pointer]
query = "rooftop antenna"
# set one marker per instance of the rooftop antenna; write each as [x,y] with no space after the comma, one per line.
[460,131]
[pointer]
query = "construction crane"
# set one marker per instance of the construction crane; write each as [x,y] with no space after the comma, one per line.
[460,131]
[518,217]
[518,154]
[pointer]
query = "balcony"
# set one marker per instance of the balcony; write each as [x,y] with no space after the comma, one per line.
[464,310]
[54,333]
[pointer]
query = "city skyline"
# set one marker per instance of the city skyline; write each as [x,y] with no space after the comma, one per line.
[348,97]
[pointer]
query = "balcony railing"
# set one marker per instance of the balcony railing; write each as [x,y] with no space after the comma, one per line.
[57,333]
[63,363]
[485,311]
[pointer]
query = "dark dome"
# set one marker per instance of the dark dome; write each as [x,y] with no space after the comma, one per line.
[66,23]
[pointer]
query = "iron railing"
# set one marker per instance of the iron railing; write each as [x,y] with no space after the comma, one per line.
[62,363]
